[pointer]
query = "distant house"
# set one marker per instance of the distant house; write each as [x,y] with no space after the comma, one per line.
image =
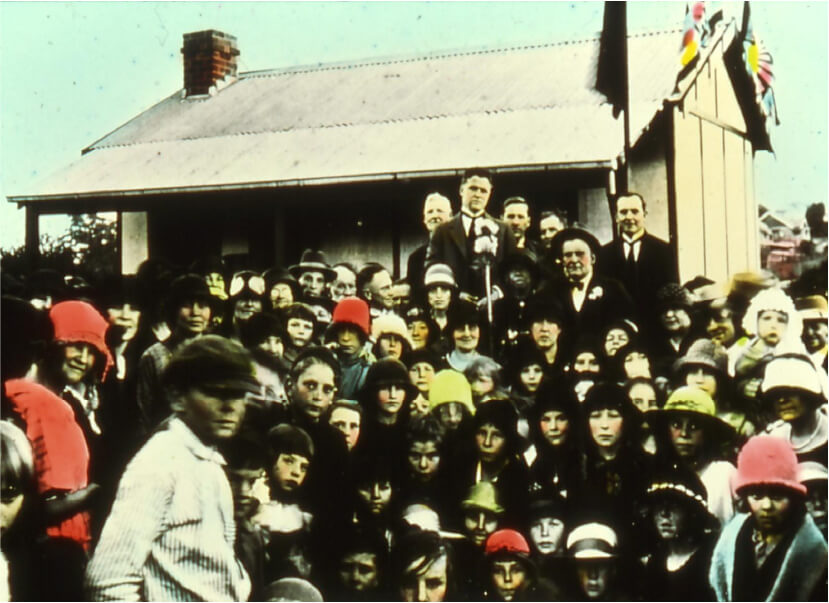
[340,156]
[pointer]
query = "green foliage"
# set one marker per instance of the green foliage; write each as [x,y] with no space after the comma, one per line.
[89,247]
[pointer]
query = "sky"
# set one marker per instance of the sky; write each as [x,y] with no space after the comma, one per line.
[71,72]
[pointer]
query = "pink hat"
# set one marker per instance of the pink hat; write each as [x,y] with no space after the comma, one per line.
[767,460]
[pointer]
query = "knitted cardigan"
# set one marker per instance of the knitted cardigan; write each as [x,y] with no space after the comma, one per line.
[802,570]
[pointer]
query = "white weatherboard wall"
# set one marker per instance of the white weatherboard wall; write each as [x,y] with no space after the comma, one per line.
[715,205]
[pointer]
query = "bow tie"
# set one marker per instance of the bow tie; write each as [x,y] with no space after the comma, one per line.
[579,286]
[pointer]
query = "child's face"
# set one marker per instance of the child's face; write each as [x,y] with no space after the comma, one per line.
[348,340]
[771,325]
[669,519]
[816,503]
[300,331]
[376,495]
[547,534]
[491,442]
[770,507]
[554,426]
[687,436]
[289,471]
[247,485]
[788,404]
[391,345]
[391,398]
[481,385]
[606,427]
[421,375]
[478,524]
[450,415]
[703,379]
[594,577]
[272,345]
[531,377]
[424,459]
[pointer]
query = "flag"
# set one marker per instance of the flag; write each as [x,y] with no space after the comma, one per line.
[759,66]
[696,33]
[612,68]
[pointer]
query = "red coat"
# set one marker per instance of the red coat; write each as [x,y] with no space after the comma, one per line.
[61,457]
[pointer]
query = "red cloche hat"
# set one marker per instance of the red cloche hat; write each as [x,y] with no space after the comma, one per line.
[77,321]
[352,310]
[506,541]
[767,460]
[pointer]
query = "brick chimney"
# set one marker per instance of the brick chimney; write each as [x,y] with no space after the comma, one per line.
[209,61]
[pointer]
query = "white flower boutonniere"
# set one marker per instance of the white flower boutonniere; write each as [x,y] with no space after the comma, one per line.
[595,293]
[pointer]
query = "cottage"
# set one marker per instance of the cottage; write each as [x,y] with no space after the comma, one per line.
[267,163]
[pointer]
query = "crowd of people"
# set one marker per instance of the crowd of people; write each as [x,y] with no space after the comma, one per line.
[527,415]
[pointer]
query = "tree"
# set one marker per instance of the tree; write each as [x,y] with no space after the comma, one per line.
[89,247]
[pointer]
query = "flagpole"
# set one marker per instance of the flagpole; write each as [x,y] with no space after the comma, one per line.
[622,184]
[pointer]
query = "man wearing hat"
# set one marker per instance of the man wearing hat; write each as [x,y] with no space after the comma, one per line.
[171,532]
[472,238]
[281,288]
[813,312]
[189,308]
[589,301]
[775,552]
[313,274]
[520,277]
[437,209]
[641,261]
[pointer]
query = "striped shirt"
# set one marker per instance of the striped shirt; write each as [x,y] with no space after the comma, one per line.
[171,532]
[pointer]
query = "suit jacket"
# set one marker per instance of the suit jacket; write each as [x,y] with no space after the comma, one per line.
[415,271]
[655,267]
[606,302]
[449,246]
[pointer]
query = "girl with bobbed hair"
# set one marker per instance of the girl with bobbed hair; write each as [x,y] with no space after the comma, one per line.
[554,457]
[614,466]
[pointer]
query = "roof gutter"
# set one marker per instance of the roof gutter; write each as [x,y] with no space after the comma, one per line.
[276,184]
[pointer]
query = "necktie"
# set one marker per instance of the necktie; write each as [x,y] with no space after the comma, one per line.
[630,264]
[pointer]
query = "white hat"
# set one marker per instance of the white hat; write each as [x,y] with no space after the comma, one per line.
[439,274]
[592,541]
[390,324]
[426,519]
[791,372]
[811,471]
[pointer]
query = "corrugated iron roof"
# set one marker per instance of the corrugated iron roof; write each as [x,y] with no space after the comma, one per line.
[526,106]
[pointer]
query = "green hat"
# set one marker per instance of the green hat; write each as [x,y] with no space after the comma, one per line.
[450,386]
[482,496]
[691,399]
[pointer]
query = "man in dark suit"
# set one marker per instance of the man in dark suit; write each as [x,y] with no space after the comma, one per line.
[642,262]
[472,238]
[589,302]
[436,210]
